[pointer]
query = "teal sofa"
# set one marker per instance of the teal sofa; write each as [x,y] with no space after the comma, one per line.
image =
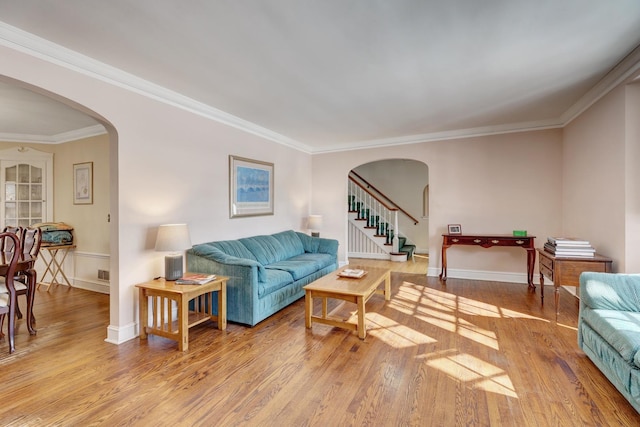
[266,273]
[609,328]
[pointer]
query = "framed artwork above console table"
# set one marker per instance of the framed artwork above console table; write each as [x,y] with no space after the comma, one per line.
[487,241]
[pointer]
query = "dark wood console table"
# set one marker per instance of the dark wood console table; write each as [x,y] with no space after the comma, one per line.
[487,241]
[565,271]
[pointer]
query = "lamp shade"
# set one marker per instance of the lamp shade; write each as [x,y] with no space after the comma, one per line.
[315,222]
[172,238]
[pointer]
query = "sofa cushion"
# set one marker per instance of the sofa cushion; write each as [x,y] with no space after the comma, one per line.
[621,329]
[290,242]
[233,248]
[302,265]
[276,279]
[265,249]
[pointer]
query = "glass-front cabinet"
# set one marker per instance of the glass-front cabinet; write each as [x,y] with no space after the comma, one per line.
[25,188]
[23,201]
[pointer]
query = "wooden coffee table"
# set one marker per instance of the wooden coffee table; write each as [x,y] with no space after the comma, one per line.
[357,291]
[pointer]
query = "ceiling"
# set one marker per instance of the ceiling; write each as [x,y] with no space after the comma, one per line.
[334,74]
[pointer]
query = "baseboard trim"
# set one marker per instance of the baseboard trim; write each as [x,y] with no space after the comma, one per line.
[119,334]
[102,287]
[492,276]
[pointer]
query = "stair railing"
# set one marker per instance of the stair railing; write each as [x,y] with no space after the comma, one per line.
[378,214]
[380,195]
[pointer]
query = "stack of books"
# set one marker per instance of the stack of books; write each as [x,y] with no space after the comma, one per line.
[195,279]
[352,273]
[569,247]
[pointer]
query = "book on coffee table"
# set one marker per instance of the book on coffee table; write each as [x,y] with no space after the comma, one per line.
[195,279]
[352,273]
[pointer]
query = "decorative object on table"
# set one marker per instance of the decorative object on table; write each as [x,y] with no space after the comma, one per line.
[83,183]
[250,187]
[195,279]
[352,273]
[519,233]
[315,224]
[55,233]
[454,228]
[173,238]
[569,247]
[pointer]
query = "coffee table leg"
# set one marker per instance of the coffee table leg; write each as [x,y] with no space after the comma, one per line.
[362,330]
[308,305]
[387,286]
[222,307]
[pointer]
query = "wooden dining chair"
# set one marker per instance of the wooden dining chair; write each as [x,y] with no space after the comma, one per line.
[30,241]
[8,300]
[6,245]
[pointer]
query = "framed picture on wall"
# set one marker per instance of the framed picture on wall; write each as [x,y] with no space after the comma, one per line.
[83,183]
[250,187]
[455,229]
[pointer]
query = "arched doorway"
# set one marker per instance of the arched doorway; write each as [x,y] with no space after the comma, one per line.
[401,182]
[97,144]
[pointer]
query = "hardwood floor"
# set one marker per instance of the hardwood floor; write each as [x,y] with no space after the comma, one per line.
[471,353]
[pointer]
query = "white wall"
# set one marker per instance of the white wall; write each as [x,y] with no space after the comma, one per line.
[632,179]
[167,165]
[594,177]
[491,184]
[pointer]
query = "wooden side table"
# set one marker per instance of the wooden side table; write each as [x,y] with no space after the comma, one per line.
[565,271]
[163,293]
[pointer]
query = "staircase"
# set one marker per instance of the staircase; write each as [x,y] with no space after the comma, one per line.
[372,224]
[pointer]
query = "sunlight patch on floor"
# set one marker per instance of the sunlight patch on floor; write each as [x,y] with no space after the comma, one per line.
[472,371]
[393,333]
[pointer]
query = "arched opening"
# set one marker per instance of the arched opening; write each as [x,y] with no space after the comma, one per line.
[96,225]
[386,189]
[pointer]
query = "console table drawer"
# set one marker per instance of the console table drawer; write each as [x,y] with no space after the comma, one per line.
[546,262]
[462,240]
[546,270]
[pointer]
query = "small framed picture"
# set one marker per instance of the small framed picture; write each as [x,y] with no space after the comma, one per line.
[83,183]
[455,229]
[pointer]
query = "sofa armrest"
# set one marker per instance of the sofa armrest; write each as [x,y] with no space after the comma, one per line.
[223,263]
[610,291]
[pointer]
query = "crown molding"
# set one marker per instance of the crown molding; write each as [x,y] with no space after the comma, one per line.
[445,135]
[30,44]
[623,72]
[60,138]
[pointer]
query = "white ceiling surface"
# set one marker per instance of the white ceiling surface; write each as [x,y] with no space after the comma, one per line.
[334,74]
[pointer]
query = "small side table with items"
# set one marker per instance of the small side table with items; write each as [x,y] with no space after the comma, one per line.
[565,271]
[53,257]
[163,292]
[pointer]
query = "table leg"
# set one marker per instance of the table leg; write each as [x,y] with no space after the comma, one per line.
[59,266]
[31,292]
[387,286]
[222,307]
[557,298]
[183,323]
[531,262]
[541,289]
[308,306]
[362,330]
[143,300]
[443,270]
